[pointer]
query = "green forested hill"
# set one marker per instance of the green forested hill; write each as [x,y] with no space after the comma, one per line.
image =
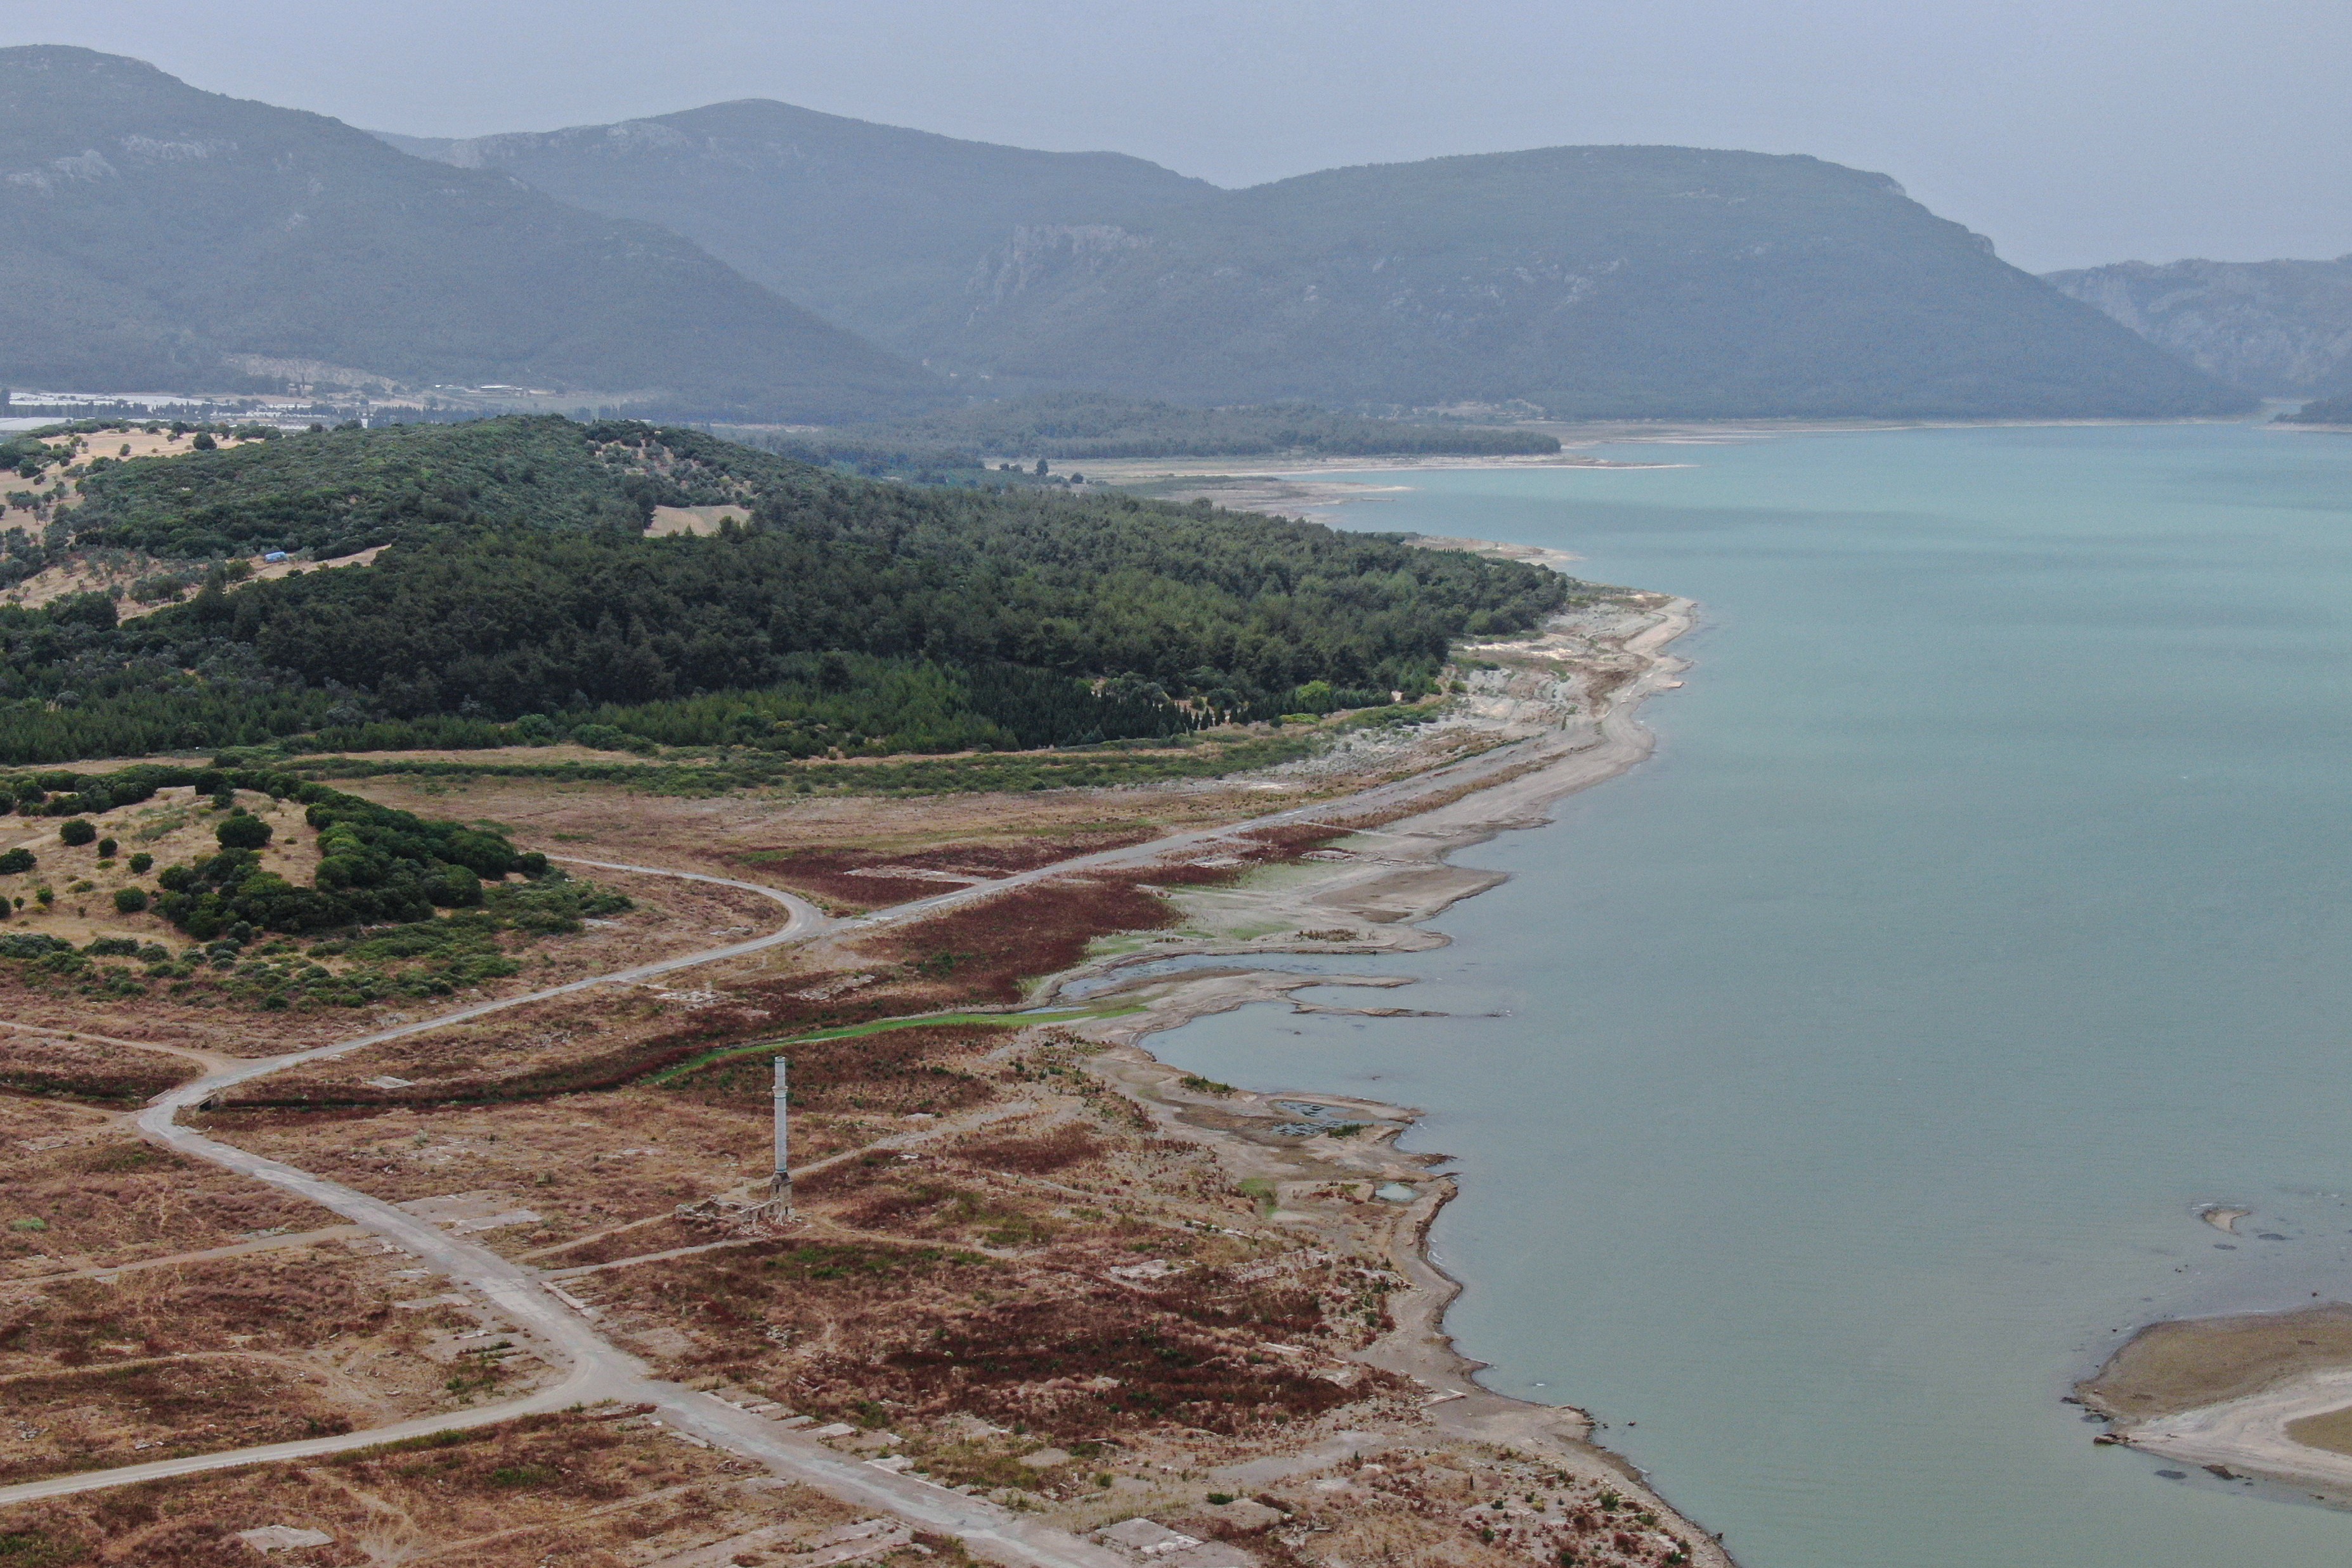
[875,227]
[155,237]
[849,614]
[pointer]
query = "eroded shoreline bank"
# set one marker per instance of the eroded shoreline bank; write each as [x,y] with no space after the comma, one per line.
[1385,883]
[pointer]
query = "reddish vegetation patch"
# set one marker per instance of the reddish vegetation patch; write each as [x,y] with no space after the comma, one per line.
[87,1069]
[979,955]
[827,874]
[922,1329]
[894,1070]
[274,1303]
[845,876]
[1061,1147]
[106,1415]
[1100,1360]
[984,951]
[600,1068]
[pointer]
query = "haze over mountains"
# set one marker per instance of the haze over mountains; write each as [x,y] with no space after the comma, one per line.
[756,261]
[2282,329]
[154,237]
[875,227]
[1612,280]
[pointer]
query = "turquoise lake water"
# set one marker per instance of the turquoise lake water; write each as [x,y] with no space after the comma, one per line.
[1984,910]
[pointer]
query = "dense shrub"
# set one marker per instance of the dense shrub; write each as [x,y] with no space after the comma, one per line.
[243,831]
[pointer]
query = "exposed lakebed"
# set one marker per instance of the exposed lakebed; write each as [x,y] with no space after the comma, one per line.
[1863,1060]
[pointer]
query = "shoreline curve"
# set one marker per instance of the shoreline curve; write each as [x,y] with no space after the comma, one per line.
[1402,875]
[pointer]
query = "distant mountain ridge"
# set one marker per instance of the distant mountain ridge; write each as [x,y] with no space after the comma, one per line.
[876,228]
[2279,327]
[1592,282]
[157,237]
[1595,281]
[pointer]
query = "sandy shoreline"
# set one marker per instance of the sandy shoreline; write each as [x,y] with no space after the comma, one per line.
[1395,877]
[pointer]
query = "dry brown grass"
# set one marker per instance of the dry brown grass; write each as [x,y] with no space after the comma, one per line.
[176,827]
[102,1197]
[926,1334]
[726,833]
[976,1275]
[588,1490]
[196,1357]
[583,1163]
[99,1417]
[858,877]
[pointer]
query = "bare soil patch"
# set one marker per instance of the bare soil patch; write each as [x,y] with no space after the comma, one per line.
[2332,1431]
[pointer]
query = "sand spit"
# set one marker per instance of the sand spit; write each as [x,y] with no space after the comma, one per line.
[1375,893]
[2266,1394]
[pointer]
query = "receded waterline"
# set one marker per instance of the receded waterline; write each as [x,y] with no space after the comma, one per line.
[1866,1056]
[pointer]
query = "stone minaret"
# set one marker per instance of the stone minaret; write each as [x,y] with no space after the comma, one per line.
[780,1186]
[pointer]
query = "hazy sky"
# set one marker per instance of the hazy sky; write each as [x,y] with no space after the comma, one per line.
[2073,131]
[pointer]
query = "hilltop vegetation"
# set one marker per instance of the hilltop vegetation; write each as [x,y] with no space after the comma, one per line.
[348,490]
[157,237]
[1094,426]
[376,865]
[846,615]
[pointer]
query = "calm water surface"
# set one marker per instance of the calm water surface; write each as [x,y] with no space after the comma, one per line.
[1984,910]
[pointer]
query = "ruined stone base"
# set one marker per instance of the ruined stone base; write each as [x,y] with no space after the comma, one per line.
[744,1214]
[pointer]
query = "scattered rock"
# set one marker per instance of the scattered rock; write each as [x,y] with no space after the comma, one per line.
[283,1537]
